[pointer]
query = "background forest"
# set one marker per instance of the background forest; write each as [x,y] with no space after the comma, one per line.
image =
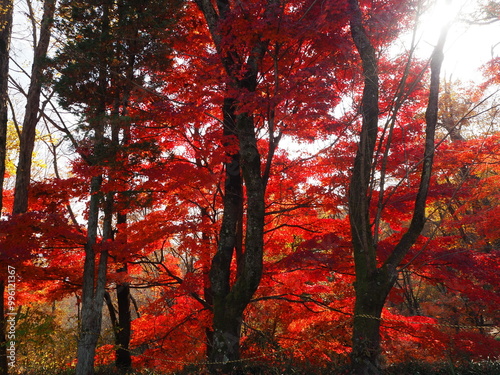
[265,186]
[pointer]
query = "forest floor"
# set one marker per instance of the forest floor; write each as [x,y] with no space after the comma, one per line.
[408,368]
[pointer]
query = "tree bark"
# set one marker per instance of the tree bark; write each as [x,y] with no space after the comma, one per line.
[93,288]
[94,281]
[373,283]
[224,335]
[121,324]
[230,301]
[6,8]
[123,359]
[31,116]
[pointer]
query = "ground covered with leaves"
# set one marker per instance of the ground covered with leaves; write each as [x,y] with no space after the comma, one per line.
[407,368]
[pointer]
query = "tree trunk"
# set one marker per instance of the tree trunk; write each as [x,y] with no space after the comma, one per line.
[373,283]
[230,301]
[207,293]
[6,7]
[220,270]
[123,358]
[94,284]
[366,351]
[229,304]
[121,325]
[371,293]
[226,338]
[31,116]
[93,288]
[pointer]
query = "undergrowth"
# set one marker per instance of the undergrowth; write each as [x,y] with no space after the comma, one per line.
[407,368]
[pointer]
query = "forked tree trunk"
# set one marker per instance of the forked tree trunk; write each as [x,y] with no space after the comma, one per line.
[224,335]
[230,301]
[373,283]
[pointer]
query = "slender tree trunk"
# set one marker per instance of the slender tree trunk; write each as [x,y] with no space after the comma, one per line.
[31,116]
[121,324]
[207,293]
[93,288]
[373,283]
[94,282]
[111,309]
[123,358]
[6,7]
[365,354]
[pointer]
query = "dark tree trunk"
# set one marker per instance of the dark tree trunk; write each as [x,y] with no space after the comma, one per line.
[123,358]
[230,301]
[93,288]
[94,283]
[31,116]
[207,293]
[224,335]
[226,338]
[6,7]
[5,33]
[373,283]
[366,338]
[121,325]
[371,293]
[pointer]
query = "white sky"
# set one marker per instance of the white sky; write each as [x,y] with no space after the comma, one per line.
[468,46]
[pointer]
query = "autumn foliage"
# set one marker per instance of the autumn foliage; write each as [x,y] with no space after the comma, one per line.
[164,157]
